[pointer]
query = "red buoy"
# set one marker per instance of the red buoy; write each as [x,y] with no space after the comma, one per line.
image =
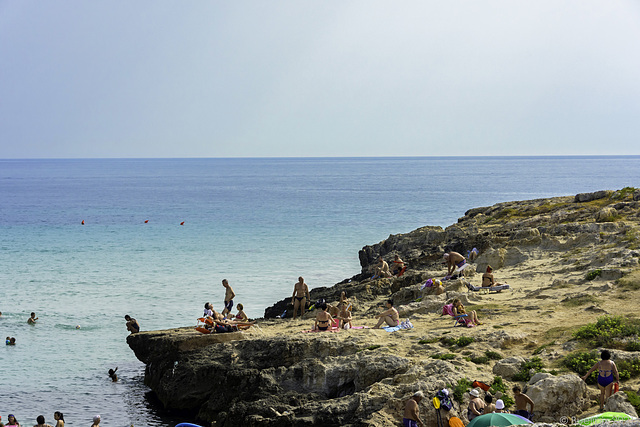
[83,222]
[146,221]
[182,223]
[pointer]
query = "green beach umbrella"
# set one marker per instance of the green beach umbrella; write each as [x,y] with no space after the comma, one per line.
[497,419]
[605,416]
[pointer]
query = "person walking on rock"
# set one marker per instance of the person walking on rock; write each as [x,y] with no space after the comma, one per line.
[411,417]
[606,371]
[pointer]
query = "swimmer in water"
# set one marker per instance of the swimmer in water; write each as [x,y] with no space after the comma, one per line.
[113,375]
[32,320]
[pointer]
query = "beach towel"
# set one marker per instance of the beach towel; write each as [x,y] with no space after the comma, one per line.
[392,328]
[317,330]
[448,310]
[488,288]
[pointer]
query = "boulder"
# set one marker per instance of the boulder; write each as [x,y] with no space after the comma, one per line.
[492,257]
[619,402]
[538,377]
[557,396]
[606,214]
[507,368]
[587,197]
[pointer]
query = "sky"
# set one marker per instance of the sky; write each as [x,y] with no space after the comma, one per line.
[256,78]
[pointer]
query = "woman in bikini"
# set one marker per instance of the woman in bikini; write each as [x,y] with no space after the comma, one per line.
[472,317]
[487,279]
[300,297]
[606,371]
[323,319]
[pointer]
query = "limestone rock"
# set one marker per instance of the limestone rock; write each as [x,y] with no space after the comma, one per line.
[557,396]
[619,402]
[606,214]
[539,376]
[587,197]
[507,368]
[492,257]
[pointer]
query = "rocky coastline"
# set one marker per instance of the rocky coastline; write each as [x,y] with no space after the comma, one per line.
[569,260]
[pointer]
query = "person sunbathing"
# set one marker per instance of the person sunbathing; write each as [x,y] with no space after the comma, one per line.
[399,266]
[323,319]
[390,316]
[345,318]
[472,316]
[488,280]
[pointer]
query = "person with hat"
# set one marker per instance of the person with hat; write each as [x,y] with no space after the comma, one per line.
[11,420]
[500,406]
[476,405]
[96,421]
[411,417]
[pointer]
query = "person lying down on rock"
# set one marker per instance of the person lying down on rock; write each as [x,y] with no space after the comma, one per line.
[218,323]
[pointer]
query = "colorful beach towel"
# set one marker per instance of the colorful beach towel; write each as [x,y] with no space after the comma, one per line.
[392,328]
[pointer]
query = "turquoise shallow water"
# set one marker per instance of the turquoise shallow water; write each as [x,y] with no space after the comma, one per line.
[258,222]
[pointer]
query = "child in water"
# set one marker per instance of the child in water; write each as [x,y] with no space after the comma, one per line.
[32,320]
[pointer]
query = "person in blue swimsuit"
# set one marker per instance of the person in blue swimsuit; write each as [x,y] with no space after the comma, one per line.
[607,370]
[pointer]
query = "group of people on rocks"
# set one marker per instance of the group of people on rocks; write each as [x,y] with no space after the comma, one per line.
[58,416]
[477,406]
[224,321]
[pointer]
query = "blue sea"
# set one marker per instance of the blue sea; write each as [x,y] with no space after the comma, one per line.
[260,223]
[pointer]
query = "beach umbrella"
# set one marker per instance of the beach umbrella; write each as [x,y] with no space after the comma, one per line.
[497,419]
[605,416]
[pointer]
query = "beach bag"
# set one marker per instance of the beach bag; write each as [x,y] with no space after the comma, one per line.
[427,284]
[480,384]
[455,422]
[445,400]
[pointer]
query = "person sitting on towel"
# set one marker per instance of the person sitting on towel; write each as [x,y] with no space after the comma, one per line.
[390,316]
[453,260]
[487,279]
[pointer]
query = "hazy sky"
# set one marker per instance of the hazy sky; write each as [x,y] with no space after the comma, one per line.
[318,78]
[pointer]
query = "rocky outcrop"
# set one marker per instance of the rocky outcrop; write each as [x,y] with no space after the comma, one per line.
[558,396]
[569,252]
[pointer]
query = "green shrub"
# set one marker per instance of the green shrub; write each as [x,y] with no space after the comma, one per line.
[632,345]
[464,341]
[534,364]
[445,356]
[460,389]
[607,331]
[493,355]
[634,399]
[373,347]
[499,386]
[448,341]
[580,362]
[628,368]
[480,360]
[594,273]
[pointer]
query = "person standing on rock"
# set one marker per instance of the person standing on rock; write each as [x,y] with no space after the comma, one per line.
[606,371]
[300,297]
[228,298]
[390,316]
[411,417]
[522,401]
[453,260]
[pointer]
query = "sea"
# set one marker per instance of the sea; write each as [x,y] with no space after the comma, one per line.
[85,241]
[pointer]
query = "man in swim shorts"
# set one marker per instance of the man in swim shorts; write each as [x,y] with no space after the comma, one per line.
[132,324]
[228,298]
[453,260]
[411,417]
[390,316]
